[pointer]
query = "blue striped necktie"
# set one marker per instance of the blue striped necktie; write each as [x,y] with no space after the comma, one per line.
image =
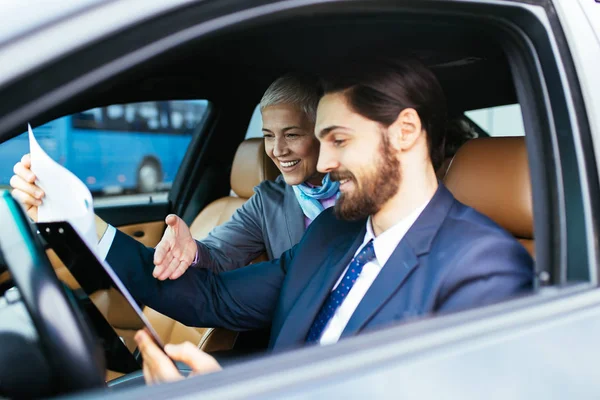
[337,296]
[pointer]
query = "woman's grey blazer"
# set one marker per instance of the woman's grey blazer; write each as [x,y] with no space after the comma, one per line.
[270,222]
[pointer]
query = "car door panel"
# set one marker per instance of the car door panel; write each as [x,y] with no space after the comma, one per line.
[127,214]
[149,233]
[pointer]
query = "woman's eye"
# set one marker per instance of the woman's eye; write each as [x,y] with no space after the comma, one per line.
[292,135]
[338,142]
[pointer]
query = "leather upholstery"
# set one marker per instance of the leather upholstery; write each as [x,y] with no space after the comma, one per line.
[4,277]
[110,375]
[208,339]
[492,176]
[148,233]
[109,303]
[251,166]
[214,214]
[114,308]
[61,270]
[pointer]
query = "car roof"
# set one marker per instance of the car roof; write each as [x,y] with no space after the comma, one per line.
[246,61]
[20,17]
[237,64]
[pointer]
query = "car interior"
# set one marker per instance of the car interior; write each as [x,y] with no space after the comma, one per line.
[473,57]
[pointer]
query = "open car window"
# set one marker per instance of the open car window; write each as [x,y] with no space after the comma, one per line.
[122,152]
[499,121]
[494,121]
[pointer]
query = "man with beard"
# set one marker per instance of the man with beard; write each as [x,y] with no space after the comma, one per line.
[397,245]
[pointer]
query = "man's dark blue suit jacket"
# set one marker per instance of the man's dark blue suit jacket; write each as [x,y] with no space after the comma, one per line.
[452,258]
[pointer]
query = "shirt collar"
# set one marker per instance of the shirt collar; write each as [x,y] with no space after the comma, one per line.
[386,243]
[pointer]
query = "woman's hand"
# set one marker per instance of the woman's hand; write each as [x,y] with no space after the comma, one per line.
[176,250]
[24,188]
[158,368]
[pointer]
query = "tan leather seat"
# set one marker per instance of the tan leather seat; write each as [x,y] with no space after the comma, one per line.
[4,277]
[492,176]
[251,166]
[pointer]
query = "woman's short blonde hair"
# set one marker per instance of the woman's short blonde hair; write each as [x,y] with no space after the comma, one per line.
[302,91]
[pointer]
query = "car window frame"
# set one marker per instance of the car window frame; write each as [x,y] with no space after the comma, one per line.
[522,67]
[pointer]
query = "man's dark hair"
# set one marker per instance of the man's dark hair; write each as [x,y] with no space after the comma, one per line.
[458,132]
[379,90]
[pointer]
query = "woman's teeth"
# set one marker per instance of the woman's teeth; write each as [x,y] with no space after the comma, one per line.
[344,181]
[289,164]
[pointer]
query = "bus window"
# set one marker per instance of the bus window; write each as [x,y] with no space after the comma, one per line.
[121,149]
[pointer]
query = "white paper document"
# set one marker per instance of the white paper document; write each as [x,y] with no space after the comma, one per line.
[67,198]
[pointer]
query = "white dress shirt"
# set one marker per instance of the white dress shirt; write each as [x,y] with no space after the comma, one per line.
[384,246]
[106,241]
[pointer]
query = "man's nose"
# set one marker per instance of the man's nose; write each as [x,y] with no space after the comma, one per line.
[327,161]
[280,148]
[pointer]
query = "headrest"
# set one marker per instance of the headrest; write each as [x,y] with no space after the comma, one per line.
[251,166]
[492,176]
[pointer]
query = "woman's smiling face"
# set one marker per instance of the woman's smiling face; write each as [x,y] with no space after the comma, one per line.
[291,144]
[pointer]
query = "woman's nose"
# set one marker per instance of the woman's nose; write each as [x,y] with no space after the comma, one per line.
[280,148]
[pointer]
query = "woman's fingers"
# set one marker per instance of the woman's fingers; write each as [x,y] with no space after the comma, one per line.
[26,160]
[24,171]
[28,189]
[25,199]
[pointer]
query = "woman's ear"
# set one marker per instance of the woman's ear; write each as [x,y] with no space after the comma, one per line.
[405,131]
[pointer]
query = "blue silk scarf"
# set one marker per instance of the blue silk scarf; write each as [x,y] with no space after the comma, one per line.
[308,197]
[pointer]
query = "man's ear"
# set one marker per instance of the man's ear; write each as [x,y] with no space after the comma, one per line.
[405,131]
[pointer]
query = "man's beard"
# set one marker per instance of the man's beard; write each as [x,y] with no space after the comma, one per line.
[376,186]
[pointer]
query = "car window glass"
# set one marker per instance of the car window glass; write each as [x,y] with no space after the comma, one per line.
[495,121]
[499,121]
[255,125]
[122,151]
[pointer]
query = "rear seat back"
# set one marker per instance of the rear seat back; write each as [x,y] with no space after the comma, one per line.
[492,176]
[251,166]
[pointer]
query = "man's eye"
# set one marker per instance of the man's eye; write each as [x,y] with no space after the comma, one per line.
[267,136]
[292,135]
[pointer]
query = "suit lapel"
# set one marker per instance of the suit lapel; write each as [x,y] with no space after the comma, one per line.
[390,279]
[403,260]
[298,321]
[294,217]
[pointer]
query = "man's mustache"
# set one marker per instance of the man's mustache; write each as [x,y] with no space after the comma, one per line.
[340,175]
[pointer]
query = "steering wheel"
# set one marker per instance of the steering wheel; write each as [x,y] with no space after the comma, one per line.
[67,341]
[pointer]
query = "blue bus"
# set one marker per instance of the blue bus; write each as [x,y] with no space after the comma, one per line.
[123,147]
